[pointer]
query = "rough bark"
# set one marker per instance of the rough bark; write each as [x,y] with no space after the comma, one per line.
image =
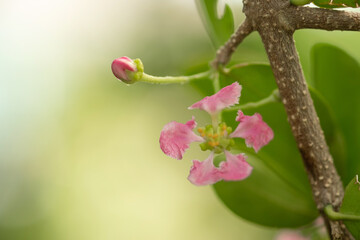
[326,19]
[224,53]
[276,21]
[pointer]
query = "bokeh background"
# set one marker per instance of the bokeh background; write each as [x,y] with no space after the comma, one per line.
[79,152]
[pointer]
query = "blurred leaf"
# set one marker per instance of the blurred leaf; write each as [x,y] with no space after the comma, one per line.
[351,206]
[337,3]
[265,198]
[333,134]
[337,78]
[219,29]
[204,85]
[277,193]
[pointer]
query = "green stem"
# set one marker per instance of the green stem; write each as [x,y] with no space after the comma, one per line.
[241,65]
[329,211]
[166,80]
[216,81]
[273,97]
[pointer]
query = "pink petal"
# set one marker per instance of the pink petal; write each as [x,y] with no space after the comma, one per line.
[175,138]
[204,173]
[290,235]
[226,97]
[235,167]
[119,66]
[254,130]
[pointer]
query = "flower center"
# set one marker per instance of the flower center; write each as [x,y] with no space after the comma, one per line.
[216,140]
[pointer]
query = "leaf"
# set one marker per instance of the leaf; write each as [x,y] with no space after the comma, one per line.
[336,75]
[337,3]
[351,206]
[277,193]
[218,29]
[300,2]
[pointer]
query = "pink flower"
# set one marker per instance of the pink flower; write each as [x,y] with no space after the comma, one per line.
[235,167]
[120,66]
[176,137]
[204,173]
[226,97]
[253,129]
[290,235]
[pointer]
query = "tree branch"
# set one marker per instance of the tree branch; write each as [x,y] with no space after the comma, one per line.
[326,19]
[223,55]
[276,21]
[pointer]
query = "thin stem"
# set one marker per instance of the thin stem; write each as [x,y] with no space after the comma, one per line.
[216,83]
[273,97]
[223,55]
[240,65]
[169,79]
[329,211]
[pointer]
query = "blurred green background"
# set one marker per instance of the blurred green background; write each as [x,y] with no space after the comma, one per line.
[79,151]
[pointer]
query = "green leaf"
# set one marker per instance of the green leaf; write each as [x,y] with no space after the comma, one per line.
[219,29]
[337,3]
[336,75]
[300,2]
[277,193]
[351,206]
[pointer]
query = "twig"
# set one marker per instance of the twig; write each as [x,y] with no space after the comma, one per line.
[224,53]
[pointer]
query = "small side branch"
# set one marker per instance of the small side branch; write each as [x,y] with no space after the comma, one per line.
[223,55]
[326,19]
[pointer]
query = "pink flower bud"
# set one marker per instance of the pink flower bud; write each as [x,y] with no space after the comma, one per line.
[121,66]
[290,235]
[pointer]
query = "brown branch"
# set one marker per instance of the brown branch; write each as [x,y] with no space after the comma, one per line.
[223,55]
[276,21]
[326,19]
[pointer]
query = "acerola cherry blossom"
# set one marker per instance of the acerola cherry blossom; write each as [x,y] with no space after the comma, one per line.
[291,235]
[253,129]
[235,167]
[218,138]
[204,173]
[120,65]
[176,137]
[226,97]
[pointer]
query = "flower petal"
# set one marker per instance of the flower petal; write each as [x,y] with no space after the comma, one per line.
[235,167]
[226,97]
[290,235]
[175,138]
[254,130]
[119,66]
[204,173]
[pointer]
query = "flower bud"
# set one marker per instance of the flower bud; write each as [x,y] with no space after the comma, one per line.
[127,70]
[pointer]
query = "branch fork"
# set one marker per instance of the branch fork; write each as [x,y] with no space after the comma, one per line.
[276,21]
